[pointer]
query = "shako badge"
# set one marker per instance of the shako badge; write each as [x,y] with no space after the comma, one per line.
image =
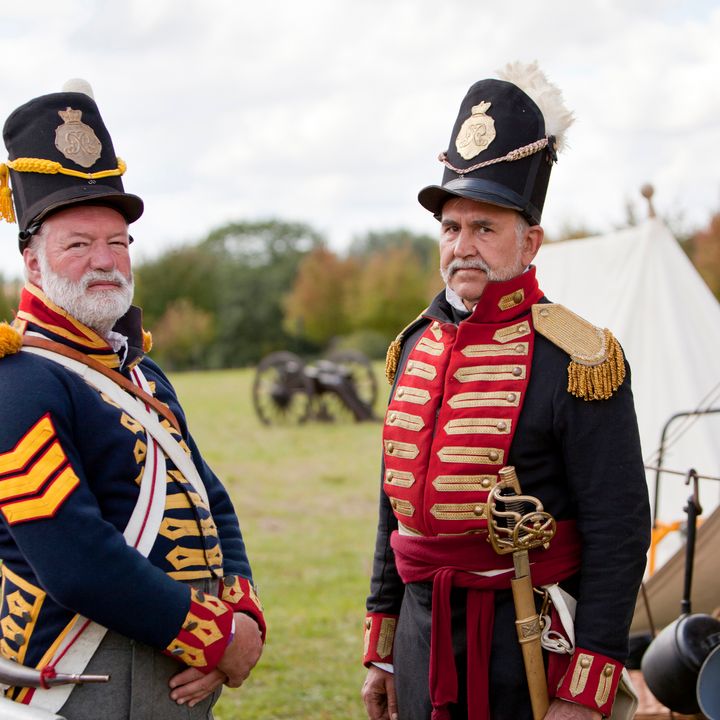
[76,140]
[476,133]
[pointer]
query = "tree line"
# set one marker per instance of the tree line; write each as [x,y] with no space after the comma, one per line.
[250,288]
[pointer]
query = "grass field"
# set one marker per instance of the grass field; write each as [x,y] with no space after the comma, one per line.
[306,497]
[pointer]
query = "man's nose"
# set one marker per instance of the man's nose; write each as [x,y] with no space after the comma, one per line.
[101,256]
[464,245]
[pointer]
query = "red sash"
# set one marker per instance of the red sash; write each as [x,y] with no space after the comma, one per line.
[451,561]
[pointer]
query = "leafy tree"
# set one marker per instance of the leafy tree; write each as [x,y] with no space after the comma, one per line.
[424,247]
[705,254]
[9,298]
[182,335]
[316,307]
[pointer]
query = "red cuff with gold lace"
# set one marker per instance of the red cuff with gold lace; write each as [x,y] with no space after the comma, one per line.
[240,595]
[379,638]
[205,633]
[591,680]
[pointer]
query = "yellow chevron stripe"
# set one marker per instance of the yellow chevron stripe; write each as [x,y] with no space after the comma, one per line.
[34,439]
[47,504]
[31,481]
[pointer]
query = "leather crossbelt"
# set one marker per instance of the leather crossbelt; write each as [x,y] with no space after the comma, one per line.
[116,377]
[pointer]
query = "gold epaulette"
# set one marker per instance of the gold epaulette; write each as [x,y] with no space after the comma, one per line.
[392,357]
[597,365]
[10,340]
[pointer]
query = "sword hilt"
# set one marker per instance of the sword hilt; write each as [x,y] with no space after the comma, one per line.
[516,522]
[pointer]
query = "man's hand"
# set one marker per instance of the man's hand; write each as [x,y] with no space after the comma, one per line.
[191,685]
[243,652]
[563,710]
[378,694]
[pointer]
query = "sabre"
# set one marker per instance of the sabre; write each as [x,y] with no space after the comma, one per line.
[512,530]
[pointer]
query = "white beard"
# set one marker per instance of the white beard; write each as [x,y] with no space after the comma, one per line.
[99,310]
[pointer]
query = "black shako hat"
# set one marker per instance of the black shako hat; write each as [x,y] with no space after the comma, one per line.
[502,146]
[60,154]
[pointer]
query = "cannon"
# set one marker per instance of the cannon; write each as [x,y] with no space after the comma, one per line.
[340,386]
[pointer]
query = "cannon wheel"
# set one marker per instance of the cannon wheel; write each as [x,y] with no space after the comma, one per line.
[281,391]
[360,370]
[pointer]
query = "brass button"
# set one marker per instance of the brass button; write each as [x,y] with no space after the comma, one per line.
[510,397]
[502,425]
[389,477]
[485,482]
[393,417]
[394,503]
[585,663]
[390,448]
[368,623]
[544,313]
[519,349]
[192,625]
[517,297]
[493,455]
[410,365]
[478,510]
[608,671]
[400,392]
[517,371]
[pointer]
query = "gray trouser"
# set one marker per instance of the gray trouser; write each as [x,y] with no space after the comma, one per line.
[138,688]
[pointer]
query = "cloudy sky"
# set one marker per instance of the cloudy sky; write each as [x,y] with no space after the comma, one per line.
[333,111]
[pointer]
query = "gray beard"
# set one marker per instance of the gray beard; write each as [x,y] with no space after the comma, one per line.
[498,275]
[99,311]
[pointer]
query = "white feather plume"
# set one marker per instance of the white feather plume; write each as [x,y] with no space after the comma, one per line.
[78,85]
[548,97]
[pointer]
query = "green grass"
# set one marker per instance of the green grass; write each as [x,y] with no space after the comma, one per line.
[306,497]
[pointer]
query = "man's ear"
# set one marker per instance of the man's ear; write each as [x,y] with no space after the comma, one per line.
[533,240]
[32,266]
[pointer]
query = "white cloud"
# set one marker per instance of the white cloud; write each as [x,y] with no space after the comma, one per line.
[333,112]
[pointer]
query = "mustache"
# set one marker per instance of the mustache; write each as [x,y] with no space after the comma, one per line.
[112,276]
[457,264]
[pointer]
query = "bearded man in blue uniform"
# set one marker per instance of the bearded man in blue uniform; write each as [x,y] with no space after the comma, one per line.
[493,374]
[121,550]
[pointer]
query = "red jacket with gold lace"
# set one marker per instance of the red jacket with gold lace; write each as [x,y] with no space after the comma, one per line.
[472,394]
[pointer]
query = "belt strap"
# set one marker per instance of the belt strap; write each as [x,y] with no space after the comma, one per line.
[39,342]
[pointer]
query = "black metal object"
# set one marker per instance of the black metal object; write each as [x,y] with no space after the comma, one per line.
[340,386]
[671,663]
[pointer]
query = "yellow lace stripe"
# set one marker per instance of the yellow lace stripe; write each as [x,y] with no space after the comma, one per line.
[50,167]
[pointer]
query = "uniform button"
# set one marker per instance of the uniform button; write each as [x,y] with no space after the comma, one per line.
[389,477]
[517,297]
[177,651]
[510,397]
[519,349]
[608,671]
[390,448]
[493,455]
[585,663]
[485,482]
[393,502]
[229,580]
[200,596]
[478,510]
[502,425]
[368,623]
[400,392]
[410,366]
[517,371]
[26,616]
[19,639]
[544,313]
[192,625]
[393,417]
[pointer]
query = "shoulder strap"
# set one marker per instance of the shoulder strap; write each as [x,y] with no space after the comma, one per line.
[116,377]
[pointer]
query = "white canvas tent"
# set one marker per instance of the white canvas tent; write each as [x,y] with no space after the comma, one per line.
[640,284]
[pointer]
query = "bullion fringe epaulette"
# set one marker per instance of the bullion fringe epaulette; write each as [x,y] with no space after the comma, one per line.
[392,357]
[147,341]
[10,340]
[597,365]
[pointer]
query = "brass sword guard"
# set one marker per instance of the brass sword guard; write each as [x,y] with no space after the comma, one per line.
[512,529]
